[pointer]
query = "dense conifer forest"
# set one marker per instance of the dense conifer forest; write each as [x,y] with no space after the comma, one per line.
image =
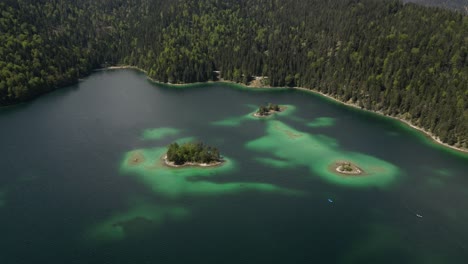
[192,153]
[404,60]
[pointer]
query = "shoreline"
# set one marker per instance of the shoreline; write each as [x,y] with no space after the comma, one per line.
[263,116]
[190,164]
[428,134]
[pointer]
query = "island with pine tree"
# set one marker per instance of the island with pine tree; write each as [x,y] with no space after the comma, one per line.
[192,154]
[269,109]
[346,168]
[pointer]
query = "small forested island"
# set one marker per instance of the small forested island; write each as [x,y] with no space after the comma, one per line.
[267,110]
[347,168]
[192,154]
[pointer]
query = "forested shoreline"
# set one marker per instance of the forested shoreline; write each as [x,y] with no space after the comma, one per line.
[403,60]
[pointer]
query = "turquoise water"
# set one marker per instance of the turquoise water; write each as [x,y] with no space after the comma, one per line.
[82,180]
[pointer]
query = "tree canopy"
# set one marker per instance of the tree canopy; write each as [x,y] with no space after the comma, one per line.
[192,152]
[265,110]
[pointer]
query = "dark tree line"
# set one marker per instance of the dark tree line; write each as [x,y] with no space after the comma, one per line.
[401,59]
[265,110]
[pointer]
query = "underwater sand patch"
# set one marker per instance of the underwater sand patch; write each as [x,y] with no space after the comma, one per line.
[136,158]
[289,133]
[377,169]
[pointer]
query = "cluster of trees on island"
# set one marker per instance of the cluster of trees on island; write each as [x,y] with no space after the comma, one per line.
[404,60]
[192,152]
[346,167]
[266,110]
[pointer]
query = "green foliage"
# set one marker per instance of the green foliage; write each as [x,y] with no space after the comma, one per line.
[407,60]
[265,110]
[273,107]
[459,5]
[192,152]
[346,167]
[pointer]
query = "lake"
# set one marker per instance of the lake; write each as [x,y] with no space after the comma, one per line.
[71,193]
